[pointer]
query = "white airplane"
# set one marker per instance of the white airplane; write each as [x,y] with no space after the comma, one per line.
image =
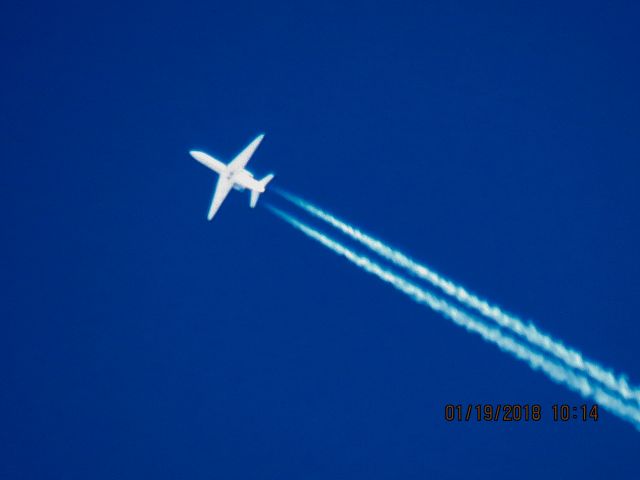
[233,175]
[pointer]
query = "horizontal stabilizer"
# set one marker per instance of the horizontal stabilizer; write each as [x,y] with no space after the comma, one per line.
[254,198]
[256,193]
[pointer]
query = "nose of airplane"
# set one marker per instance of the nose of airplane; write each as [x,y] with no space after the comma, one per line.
[200,156]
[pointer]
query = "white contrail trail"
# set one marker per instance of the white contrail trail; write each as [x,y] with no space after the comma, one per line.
[529,331]
[535,360]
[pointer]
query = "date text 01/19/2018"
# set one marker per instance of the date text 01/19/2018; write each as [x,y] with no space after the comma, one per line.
[519,412]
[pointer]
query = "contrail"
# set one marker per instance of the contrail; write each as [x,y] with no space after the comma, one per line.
[529,331]
[537,361]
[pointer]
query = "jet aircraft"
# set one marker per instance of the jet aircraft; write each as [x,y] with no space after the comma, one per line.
[233,175]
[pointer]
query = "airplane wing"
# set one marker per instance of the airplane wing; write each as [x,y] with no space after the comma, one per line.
[223,187]
[243,157]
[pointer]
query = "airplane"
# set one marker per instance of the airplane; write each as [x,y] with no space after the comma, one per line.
[233,175]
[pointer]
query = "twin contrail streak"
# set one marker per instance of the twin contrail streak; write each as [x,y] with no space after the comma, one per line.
[545,342]
[537,361]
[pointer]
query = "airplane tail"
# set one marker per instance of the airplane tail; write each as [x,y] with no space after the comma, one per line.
[255,194]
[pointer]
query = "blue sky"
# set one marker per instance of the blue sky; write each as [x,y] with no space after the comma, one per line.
[496,141]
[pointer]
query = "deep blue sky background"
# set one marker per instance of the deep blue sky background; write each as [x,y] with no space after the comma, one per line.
[497,141]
